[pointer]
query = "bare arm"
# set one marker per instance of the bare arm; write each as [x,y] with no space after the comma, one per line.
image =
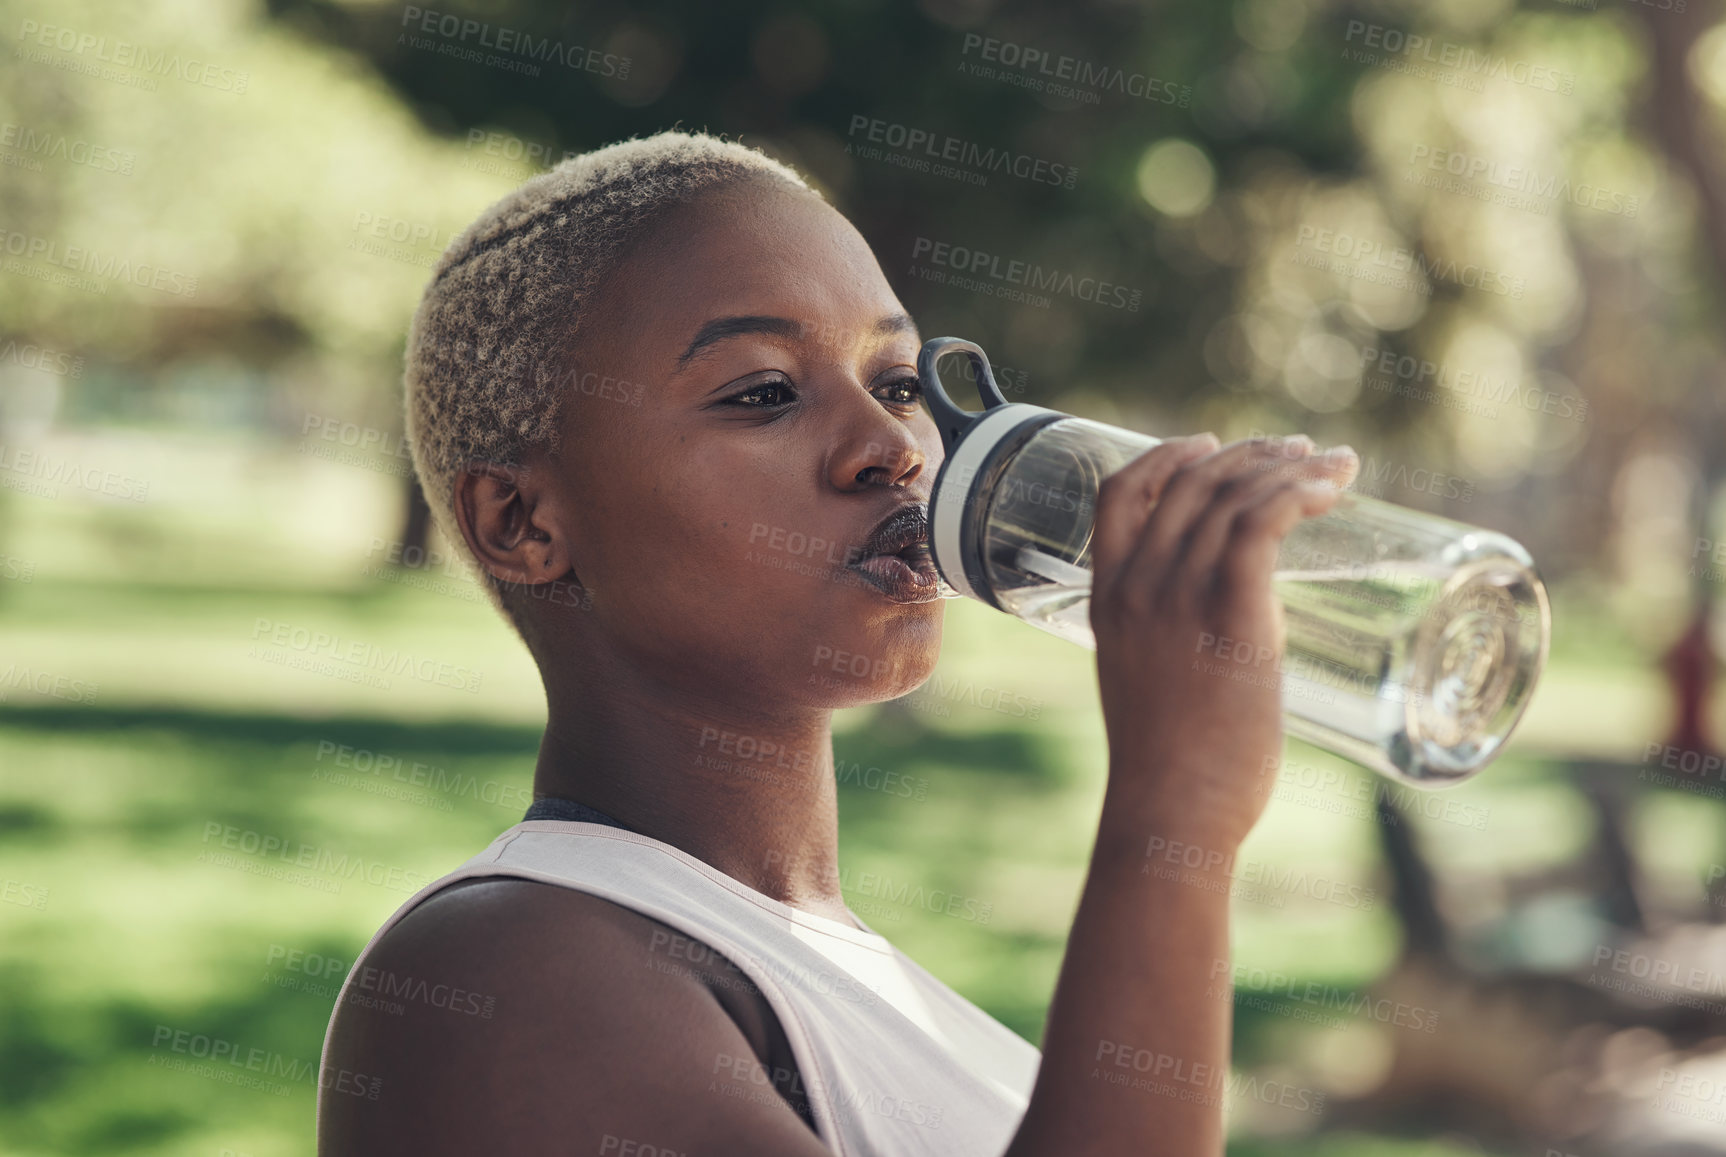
[1136,1052]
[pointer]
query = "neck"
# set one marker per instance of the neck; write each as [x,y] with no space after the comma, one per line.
[748,793]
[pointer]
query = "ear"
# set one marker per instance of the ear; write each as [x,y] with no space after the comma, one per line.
[507,514]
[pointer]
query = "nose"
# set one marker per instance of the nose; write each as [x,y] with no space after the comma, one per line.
[877,448]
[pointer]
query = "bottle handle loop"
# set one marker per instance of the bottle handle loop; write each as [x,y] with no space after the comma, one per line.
[950,419]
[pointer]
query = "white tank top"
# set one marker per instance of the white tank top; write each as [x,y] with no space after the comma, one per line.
[894,1062]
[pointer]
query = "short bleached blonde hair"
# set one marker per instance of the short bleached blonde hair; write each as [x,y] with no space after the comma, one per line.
[490,348]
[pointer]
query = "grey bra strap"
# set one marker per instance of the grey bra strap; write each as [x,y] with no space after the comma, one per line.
[552,807]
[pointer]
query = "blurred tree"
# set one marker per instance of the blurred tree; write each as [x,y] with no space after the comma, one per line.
[799,81]
[1268,122]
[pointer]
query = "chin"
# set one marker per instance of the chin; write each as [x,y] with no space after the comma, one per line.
[916,666]
[876,670]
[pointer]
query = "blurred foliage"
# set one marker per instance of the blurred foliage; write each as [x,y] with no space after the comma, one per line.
[1270,122]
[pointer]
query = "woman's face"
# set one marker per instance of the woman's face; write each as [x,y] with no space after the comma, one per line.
[722,474]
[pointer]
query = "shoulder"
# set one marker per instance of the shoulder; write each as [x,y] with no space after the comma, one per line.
[510,927]
[504,1012]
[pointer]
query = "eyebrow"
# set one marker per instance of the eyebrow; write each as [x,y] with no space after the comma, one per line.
[721,328]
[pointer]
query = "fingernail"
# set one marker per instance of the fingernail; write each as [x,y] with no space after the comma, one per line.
[1340,453]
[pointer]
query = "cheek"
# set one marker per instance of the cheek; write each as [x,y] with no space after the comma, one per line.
[929,438]
[722,537]
[750,517]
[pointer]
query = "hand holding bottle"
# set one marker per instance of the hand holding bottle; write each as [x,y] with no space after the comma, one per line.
[1188,628]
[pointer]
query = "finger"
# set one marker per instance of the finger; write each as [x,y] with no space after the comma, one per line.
[1189,491]
[1127,497]
[1249,559]
[1210,533]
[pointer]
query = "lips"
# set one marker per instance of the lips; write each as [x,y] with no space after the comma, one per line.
[895,559]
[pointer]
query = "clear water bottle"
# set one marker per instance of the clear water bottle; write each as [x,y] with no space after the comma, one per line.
[1413,641]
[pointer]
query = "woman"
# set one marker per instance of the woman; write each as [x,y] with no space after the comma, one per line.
[626,383]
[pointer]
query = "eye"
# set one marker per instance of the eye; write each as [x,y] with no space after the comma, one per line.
[770,387]
[908,390]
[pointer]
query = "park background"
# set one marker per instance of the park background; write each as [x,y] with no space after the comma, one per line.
[1480,241]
